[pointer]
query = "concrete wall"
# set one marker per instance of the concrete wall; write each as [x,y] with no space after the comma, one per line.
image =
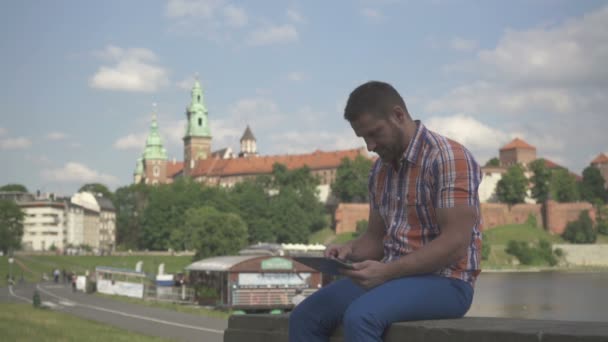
[274,328]
[585,255]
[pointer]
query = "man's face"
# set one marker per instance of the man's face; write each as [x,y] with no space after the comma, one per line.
[381,135]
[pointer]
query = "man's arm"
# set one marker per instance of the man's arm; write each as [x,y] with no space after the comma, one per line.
[369,246]
[449,247]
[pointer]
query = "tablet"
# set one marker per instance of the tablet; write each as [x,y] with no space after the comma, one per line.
[325,265]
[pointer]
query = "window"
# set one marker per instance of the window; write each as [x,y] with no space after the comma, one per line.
[198,98]
[200,121]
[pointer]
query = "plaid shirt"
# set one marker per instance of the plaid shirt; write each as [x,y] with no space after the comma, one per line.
[435,172]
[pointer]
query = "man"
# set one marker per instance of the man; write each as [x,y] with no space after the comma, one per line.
[420,255]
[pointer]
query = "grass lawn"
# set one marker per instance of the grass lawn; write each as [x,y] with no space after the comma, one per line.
[602,238]
[518,232]
[39,264]
[322,236]
[22,322]
[344,237]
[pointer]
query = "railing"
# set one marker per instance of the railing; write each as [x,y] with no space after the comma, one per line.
[174,294]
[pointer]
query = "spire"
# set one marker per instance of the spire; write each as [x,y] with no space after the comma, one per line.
[154,143]
[197,124]
[248,144]
[248,135]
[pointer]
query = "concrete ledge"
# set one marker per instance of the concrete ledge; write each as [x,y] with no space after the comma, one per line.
[273,328]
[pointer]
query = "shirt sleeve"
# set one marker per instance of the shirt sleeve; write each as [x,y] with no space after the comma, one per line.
[457,176]
[372,186]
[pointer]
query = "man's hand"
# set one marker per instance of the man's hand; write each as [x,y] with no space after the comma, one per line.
[368,274]
[342,252]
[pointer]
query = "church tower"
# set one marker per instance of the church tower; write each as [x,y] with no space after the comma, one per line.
[248,144]
[154,157]
[197,140]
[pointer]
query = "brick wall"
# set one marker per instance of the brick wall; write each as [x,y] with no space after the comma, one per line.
[493,215]
[498,214]
[559,214]
[348,214]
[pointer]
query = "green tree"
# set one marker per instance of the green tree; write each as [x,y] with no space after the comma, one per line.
[581,230]
[252,203]
[14,187]
[540,179]
[592,187]
[130,202]
[213,233]
[494,162]
[563,186]
[512,187]
[11,226]
[97,189]
[352,179]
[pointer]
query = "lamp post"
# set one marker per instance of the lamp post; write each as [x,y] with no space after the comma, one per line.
[10,268]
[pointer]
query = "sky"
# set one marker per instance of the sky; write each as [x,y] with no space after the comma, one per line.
[82,79]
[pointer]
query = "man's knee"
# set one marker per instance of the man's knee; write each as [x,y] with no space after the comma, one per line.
[357,318]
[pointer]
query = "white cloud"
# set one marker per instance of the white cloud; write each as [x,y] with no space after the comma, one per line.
[468,131]
[296,76]
[297,141]
[571,53]
[15,143]
[193,8]
[73,172]
[547,83]
[135,70]
[273,35]
[485,97]
[371,13]
[264,112]
[38,160]
[235,16]
[131,141]
[295,16]
[2,131]
[461,44]
[56,136]
[186,84]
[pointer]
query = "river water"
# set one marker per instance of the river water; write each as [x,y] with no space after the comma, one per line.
[571,296]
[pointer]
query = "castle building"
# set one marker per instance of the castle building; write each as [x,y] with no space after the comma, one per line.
[601,162]
[222,168]
[517,152]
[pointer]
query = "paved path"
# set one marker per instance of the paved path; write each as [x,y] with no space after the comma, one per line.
[138,318]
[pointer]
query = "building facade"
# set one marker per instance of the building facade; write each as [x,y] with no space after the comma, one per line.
[222,168]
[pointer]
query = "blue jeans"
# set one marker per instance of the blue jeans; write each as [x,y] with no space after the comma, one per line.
[367,314]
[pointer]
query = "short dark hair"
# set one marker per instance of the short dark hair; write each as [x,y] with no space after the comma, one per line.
[373,97]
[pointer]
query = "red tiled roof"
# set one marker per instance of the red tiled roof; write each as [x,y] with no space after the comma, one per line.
[174,168]
[263,165]
[517,143]
[602,158]
[551,165]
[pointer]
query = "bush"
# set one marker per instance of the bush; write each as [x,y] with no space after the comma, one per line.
[361,227]
[531,220]
[533,255]
[602,227]
[486,249]
[581,230]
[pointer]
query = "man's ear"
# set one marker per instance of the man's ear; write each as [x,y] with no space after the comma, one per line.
[398,114]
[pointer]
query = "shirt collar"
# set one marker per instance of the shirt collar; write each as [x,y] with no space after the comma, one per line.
[415,145]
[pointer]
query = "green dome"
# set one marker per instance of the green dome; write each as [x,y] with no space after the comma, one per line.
[154,143]
[139,167]
[198,124]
